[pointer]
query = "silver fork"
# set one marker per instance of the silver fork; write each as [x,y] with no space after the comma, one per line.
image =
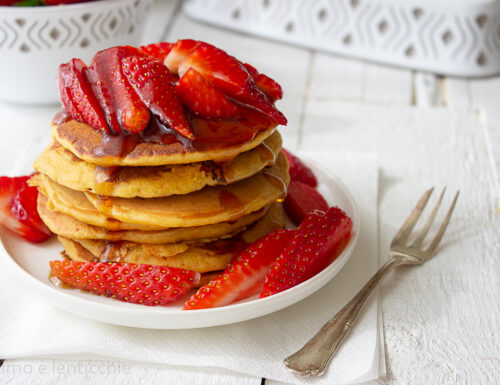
[313,358]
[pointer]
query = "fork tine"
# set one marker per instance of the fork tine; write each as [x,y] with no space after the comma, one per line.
[442,229]
[412,219]
[421,236]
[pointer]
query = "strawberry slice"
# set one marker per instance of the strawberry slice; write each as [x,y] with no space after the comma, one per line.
[77,97]
[319,240]
[302,199]
[142,284]
[180,51]
[157,50]
[266,84]
[18,209]
[123,108]
[244,276]
[229,76]
[151,81]
[299,171]
[201,98]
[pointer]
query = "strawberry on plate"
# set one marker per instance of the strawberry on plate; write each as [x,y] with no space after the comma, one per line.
[299,171]
[151,81]
[201,98]
[75,92]
[317,242]
[123,108]
[18,210]
[141,284]
[302,199]
[157,50]
[266,84]
[244,276]
[222,71]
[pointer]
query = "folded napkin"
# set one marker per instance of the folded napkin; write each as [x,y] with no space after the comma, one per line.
[234,354]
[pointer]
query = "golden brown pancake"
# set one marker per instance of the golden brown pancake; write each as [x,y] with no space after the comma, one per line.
[220,141]
[75,204]
[69,227]
[207,206]
[66,169]
[201,257]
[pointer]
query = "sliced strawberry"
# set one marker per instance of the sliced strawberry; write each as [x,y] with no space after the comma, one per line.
[318,241]
[18,209]
[77,97]
[229,76]
[244,276]
[157,50]
[123,107]
[201,98]
[299,171]
[181,50]
[142,284]
[266,84]
[151,81]
[302,199]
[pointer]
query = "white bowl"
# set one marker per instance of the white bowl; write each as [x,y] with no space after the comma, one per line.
[35,40]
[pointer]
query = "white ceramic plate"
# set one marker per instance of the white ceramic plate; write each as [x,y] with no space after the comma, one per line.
[30,265]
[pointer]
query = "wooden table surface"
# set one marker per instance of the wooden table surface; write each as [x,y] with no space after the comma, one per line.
[306,76]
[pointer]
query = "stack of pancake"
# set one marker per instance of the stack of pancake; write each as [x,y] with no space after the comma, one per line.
[159,202]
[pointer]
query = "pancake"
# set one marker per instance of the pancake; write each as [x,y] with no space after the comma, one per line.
[217,140]
[69,227]
[66,169]
[76,252]
[201,257]
[76,205]
[207,206]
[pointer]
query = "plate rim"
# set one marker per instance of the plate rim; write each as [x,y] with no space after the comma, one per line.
[57,297]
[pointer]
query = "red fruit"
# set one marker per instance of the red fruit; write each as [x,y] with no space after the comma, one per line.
[142,284]
[317,242]
[201,98]
[299,171]
[181,50]
[151,81]
[157,50]
[18,209]
[244,276]
[265,83]
[123,108]
[75,92]
[229,76]
[301,200]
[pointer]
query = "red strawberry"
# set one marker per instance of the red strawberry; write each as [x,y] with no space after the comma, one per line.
[299,171]
[302,199]
[317,242]
[265,83]
[157,50]
[229,76]
[77,97]
[142,284]
[123,107]
[151,80]
[181,50]
[204,100]
[18,209]
[244,276]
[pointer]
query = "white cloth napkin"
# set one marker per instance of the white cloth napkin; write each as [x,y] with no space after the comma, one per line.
[252,349]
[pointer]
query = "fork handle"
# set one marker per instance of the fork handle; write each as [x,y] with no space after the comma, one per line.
[315,355]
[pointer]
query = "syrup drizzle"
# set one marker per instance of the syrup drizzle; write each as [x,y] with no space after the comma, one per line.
[277,182]
[231,203]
